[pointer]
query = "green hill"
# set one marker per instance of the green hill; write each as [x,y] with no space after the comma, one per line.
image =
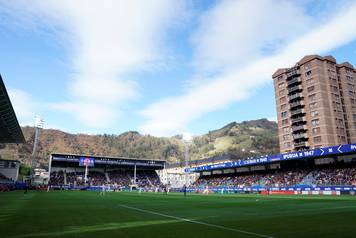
[242,139]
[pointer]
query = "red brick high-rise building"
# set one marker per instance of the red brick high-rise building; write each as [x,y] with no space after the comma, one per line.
[316,103]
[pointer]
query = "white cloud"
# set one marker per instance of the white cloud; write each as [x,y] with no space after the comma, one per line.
[94,115]
[23,105]
[104,40]
[171,115]
[236,32]
[273,119]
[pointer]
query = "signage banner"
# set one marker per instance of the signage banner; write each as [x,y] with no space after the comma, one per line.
[320,152]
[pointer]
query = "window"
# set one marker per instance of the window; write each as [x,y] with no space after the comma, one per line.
[314,113]
[333,81]
[286,144]
[283,106]
[312,97]
[315,122]
[339,122]
[282,92]
[313,105]
[349,78]
[334,88]
[286,137]
[316,130]
[282,100]
[285,122]
[307,66]
[281,85]
[280,78]
[284,114]
[310,81]
[308,73]
[317,139]
[286,130]
[310,89]
[349,71]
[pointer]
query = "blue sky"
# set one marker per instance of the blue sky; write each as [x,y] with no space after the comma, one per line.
[160,67]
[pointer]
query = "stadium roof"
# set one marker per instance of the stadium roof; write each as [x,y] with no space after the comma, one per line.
[10,130]
[323,152]
[72,160]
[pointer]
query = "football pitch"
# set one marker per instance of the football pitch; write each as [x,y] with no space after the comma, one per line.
[125,214]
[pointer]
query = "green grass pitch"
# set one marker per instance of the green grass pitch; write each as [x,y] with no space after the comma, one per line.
[86,214]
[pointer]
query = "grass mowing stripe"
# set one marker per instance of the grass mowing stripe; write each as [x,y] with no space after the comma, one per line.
[197,222]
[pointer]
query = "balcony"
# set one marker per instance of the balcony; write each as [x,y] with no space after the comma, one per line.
[293,81]
[295,88]
[301,144]
[298,120]
[293,72]
[299,128]
[297,112]
[299,136]
[295,96]
[296,104]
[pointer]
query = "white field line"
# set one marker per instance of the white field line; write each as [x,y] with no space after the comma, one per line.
[197,222]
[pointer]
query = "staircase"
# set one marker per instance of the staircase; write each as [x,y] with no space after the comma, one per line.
[149,181]
[107,177]
[65,177]
[309,179]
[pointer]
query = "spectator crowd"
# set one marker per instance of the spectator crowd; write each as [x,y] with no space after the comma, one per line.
[6,184]
[120,178]
[282,178]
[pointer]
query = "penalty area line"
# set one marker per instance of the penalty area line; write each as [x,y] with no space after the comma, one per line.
[197,222]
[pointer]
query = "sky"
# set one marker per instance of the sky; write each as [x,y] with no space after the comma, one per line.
[160,67]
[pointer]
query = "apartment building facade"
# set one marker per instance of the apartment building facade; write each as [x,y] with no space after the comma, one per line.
[316,104]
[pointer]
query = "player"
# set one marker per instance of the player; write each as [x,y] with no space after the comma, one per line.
[26,188]
[185,190]
[102,190]
[206,190]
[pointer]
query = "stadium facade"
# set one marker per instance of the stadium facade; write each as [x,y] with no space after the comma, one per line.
[316,104]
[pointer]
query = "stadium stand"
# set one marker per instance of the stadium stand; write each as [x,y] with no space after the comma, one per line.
[321,171]
[67,171]
[144,179]
[321,176]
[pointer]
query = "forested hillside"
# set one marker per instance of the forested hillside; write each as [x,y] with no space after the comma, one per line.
[243,139]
